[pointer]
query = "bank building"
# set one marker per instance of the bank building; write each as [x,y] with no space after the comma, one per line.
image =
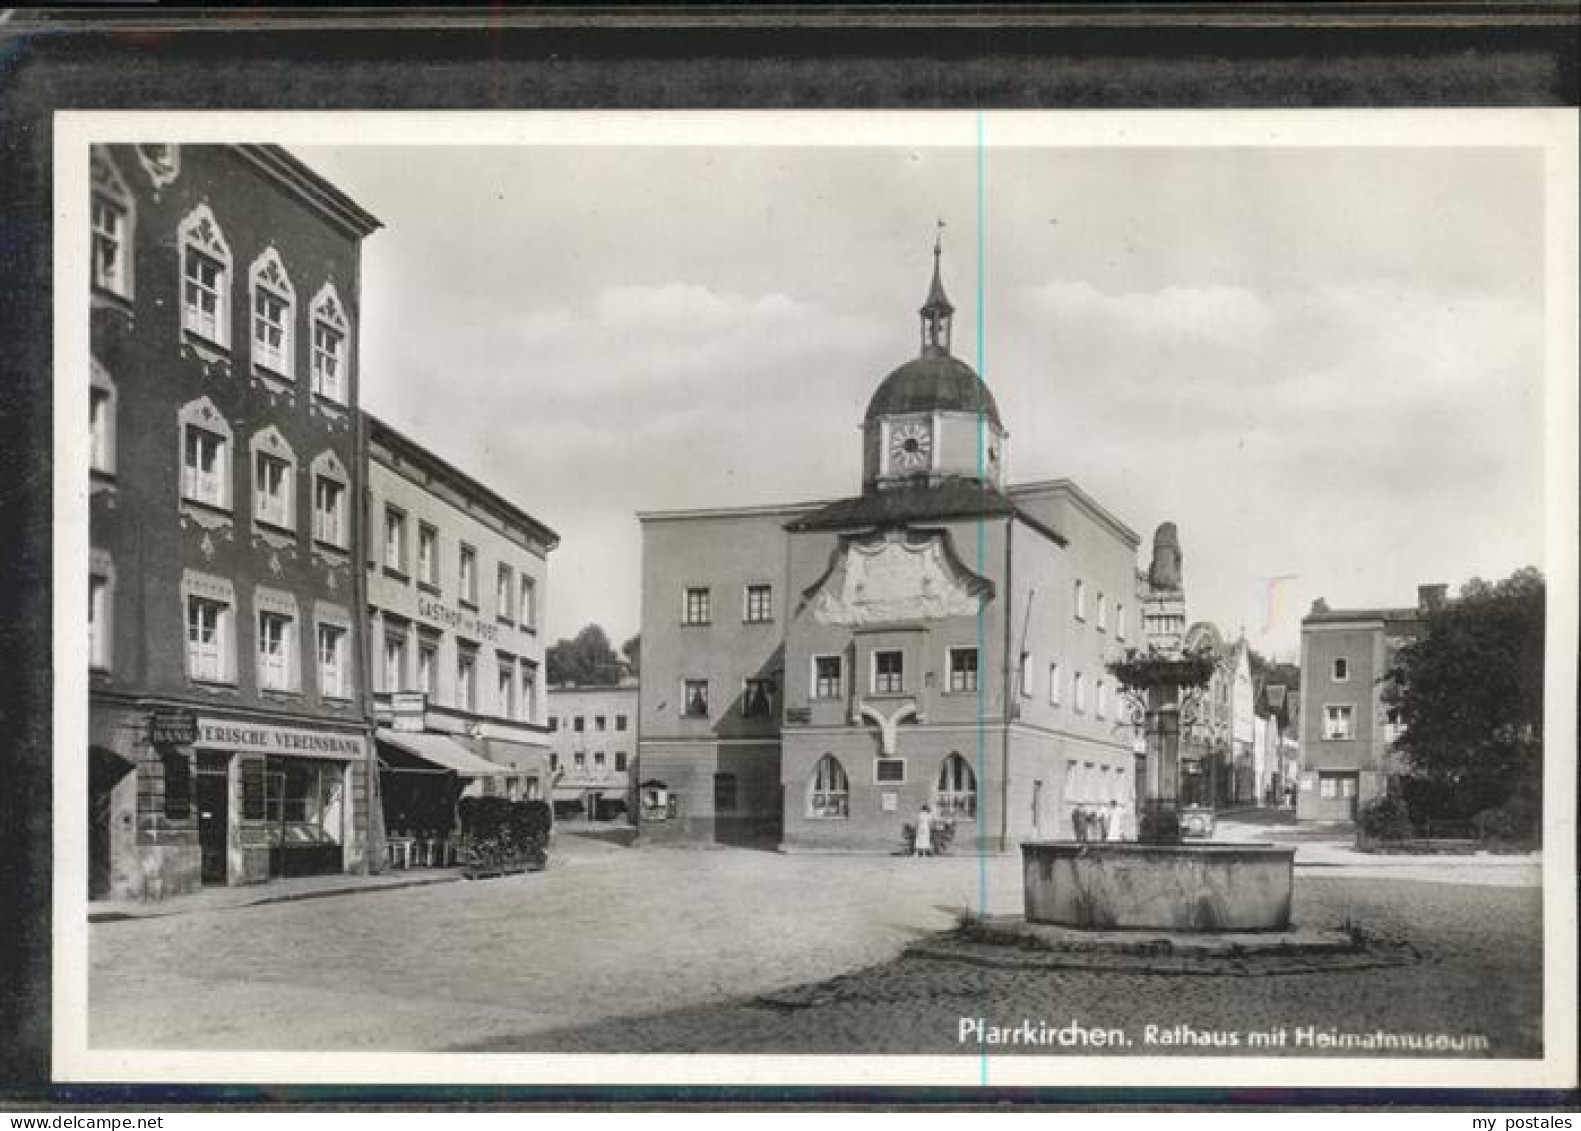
[814,673]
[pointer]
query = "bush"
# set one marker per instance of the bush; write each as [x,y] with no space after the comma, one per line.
[1385,818]
[1158,825]
[1518,821]
[502,835]
[943,835]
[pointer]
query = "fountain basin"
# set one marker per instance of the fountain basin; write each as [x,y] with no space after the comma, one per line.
[1178,887]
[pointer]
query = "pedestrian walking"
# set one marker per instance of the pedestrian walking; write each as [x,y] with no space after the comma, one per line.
[922,843]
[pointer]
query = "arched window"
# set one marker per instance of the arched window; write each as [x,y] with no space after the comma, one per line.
[829,797]
[205,278]
[955,795]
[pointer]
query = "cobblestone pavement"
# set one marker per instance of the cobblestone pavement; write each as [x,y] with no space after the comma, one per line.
[667,950]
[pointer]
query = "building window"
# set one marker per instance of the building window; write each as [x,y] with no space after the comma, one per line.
[757,699]
[427,658]
[697,698]
[1341,670]
[554,761]
[208,639]
[1393,724]
[759,604]
[828,680]
[1101,698]
[620,722]
[1078,692]
[1081,600]
[598,761]
[394,540]
[1054,682]
[1337,722]
[529,604]
[1103,614]
[273,490]
[1336,785]
[503,591]
[963,669]
[579,759]
[101,423]
[1024,674]
[274,303]
[694,610]
[829,792]
[99,622]
[889,771]
[724,793]
[1119,621]
[276,649]
[330,334]
[332,681]
[427,555]
[206,278]
[600,723]
[178,784]
[329,511]
[507,686]
[204,462]
[620,761]
[112,227]
[469,576]
[394,659]
[529,690]
[955,793]
[889,673]
[466,676]
[579,724]
[554,723]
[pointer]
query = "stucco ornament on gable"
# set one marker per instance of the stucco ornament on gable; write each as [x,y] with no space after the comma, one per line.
[897,575]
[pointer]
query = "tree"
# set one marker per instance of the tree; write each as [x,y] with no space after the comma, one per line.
[1469,693]
[586,660]
[632,650]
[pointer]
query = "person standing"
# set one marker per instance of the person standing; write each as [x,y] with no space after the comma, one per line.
[922,844]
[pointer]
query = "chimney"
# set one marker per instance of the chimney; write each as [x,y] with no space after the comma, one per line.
[1431,597]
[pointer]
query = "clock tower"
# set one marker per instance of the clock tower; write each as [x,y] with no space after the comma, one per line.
[933,418]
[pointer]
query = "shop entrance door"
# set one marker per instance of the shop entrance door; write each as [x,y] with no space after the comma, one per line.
[213,790]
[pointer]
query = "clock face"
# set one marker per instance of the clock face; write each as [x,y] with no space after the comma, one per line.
[910,447]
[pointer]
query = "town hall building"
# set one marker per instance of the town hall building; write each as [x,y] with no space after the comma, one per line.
[815,673]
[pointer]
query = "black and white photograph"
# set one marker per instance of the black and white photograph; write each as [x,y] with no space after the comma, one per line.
[950,598]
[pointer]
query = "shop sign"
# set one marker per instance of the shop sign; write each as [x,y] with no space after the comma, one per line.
[463,622]
[409,710]
[172,726]
[265,738]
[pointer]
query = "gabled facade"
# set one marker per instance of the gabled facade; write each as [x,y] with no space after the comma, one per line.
[228,709]
[814,674]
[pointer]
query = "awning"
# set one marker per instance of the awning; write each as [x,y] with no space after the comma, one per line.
[443,752]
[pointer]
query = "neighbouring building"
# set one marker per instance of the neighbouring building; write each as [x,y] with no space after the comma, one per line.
[457,583]
[814,673]
[228,716]
[1346,728]
[593,738]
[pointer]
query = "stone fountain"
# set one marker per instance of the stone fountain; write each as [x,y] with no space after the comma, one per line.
[1157,881]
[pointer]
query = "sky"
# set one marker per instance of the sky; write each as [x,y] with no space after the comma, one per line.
[1325,365]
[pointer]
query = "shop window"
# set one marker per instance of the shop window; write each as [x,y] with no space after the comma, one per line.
[274,314]
[963,669]
[178,784]
[330,335]
[695,606]
[829,791]
[112,219]
[828,681]
[757,698]
[955,793]
[725,793]
[696,698]
[206,278]
[758,604]
[889,673]
[254,790]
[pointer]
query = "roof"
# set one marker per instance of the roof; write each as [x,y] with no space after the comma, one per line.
[1340,616]
[935,382]
[472,489]
[899,506]
[441,751]
[331,201]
